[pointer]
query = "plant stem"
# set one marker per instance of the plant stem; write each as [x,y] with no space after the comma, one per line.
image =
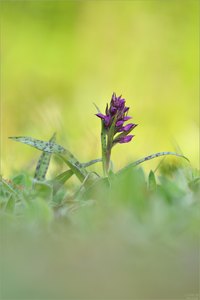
[108,154]
[104,150]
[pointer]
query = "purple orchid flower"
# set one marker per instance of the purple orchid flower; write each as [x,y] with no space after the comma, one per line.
[113,128]
[116,115]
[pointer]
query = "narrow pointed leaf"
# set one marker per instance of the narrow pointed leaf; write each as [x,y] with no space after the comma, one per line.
[48,147]
[43,163]
[152,156]
[59,180]
[74,165]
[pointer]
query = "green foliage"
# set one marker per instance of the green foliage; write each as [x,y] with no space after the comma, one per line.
[130,190]
[126,189]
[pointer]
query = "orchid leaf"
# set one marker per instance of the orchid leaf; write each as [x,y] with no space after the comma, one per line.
[43,163]
[48,147]
[152,156]
[91,162]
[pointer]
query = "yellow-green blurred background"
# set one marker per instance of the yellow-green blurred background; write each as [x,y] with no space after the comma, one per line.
[58,57]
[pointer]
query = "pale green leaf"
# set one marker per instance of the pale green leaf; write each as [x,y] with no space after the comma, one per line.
[152,156]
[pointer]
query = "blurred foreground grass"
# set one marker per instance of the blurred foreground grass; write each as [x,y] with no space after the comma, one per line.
[137,239]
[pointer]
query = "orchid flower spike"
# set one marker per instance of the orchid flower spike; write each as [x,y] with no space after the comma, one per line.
[114,129]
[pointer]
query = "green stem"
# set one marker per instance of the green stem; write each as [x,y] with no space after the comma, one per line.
[103,149]
[107,144]
[108,152]
[110,137]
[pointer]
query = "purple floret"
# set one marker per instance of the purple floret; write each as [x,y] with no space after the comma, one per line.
[105,118]
[128,127]
[125,139]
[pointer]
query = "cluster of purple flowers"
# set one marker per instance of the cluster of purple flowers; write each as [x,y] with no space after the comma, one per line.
[115,117]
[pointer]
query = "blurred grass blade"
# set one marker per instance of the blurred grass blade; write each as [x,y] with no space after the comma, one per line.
[43,190]
[63,153]
[89,181]
[59,181]
[194,184]
[152,156]
[10,205]
[8,187]
[19,179]
[43,163]
[152,181]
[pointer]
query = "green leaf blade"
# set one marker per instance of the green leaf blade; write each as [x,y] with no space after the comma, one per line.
[60,180]
[91,162]
[43,163]
[49,147]
[149,157]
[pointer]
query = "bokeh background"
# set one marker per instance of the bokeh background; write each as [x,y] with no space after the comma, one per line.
[58,57]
